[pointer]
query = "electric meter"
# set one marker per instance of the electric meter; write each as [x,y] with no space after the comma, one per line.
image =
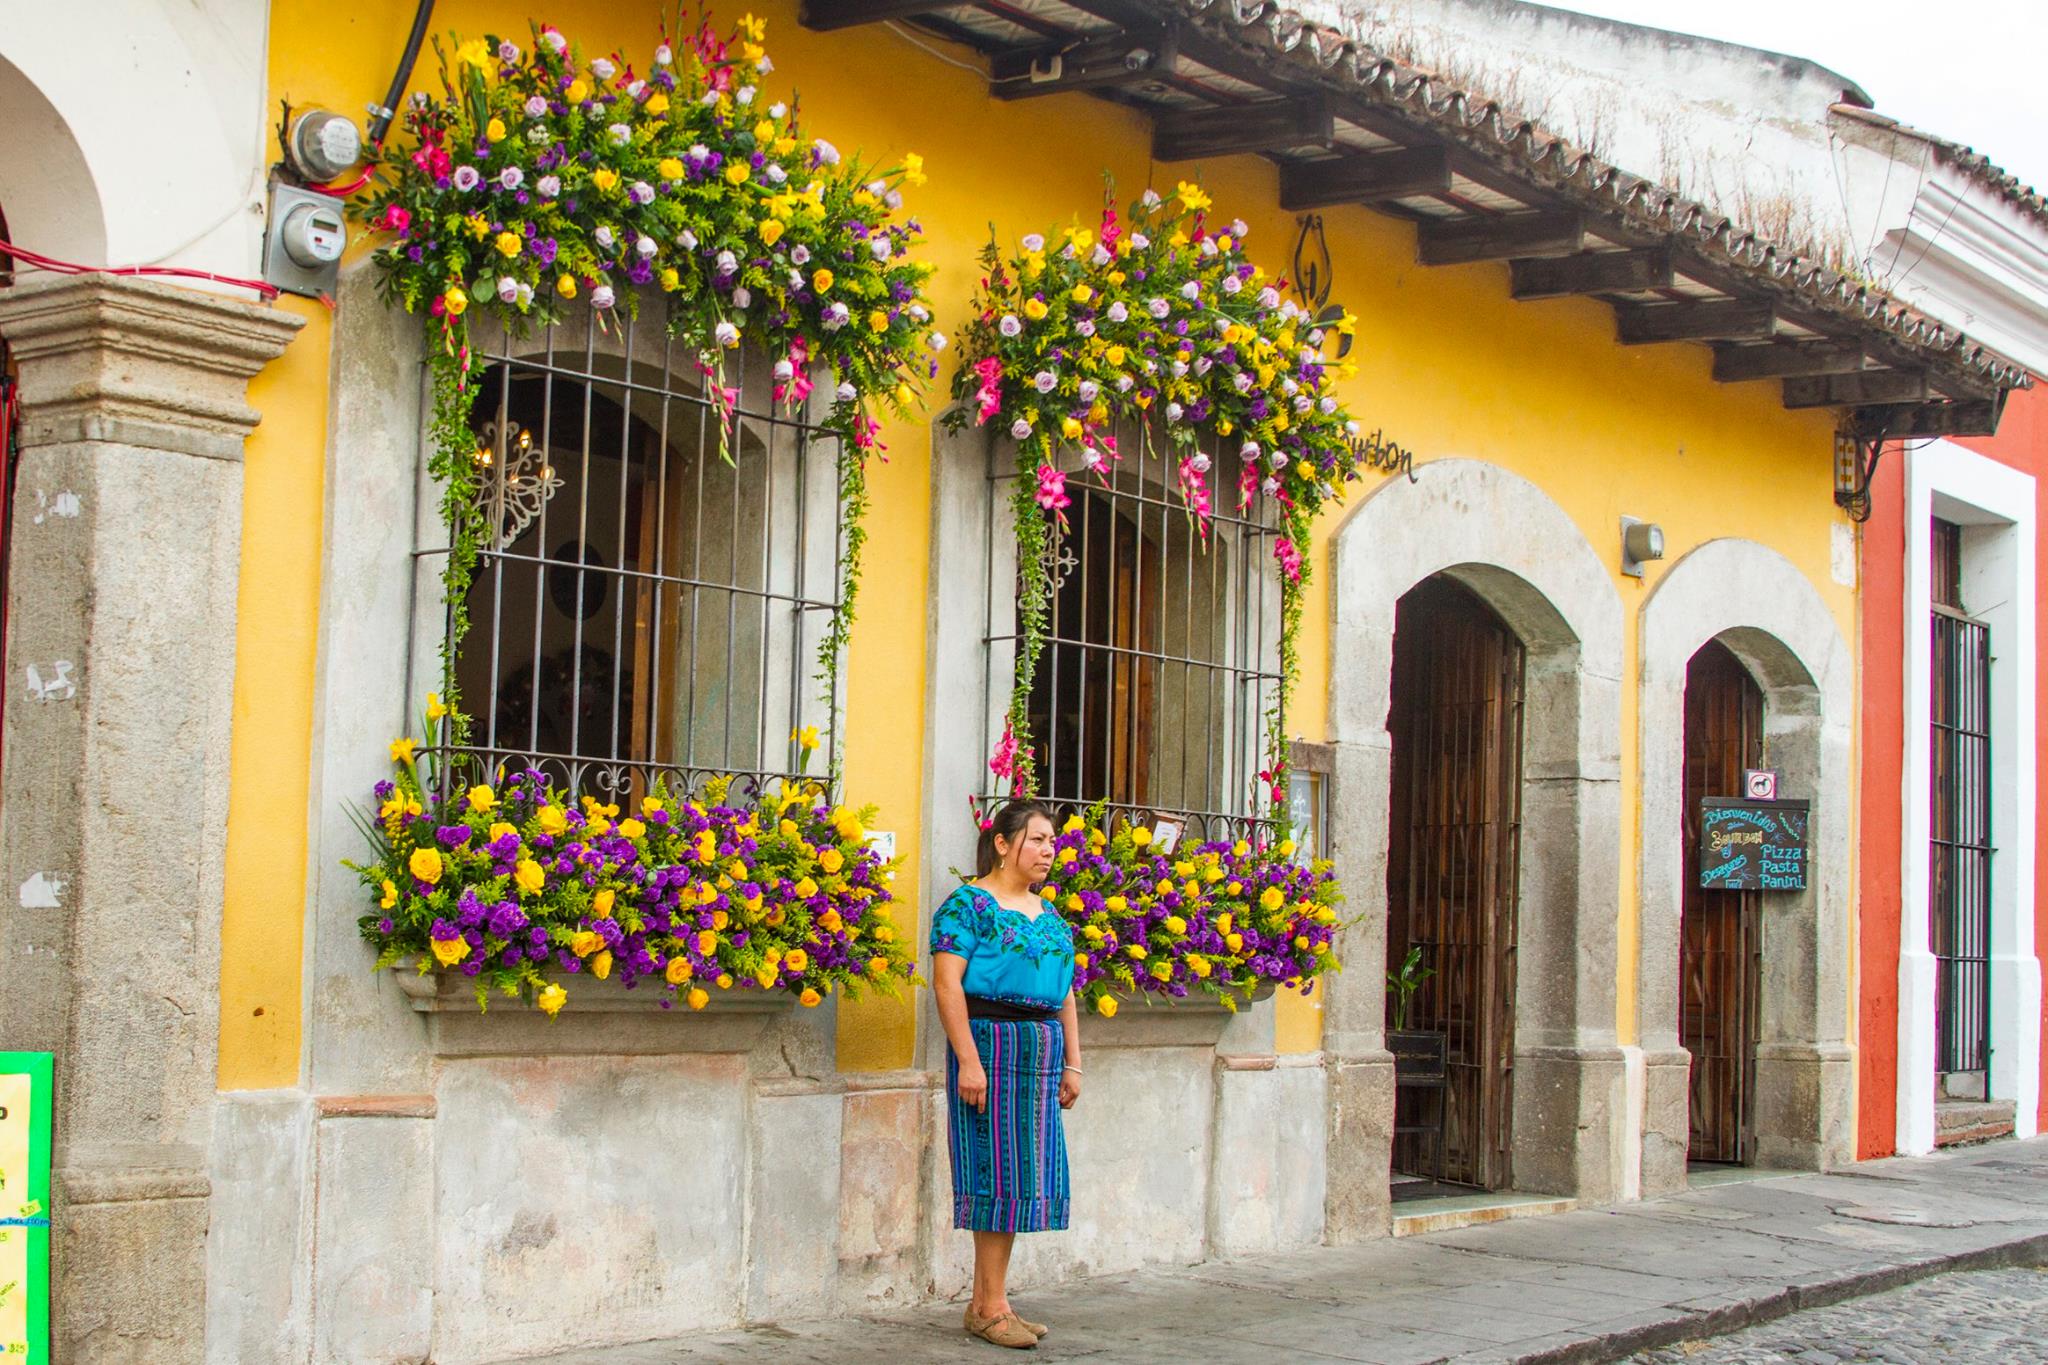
[323,144]
[313,235]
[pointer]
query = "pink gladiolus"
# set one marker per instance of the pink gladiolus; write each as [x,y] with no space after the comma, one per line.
[798,386]
[1290,558]
[1194,487]
[1052,491]
[396,218]
[1003,763]
[989,400]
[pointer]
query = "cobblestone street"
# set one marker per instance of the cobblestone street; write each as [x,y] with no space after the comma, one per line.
[1992,1317]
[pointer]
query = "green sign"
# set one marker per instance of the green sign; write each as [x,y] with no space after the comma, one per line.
[25,1206]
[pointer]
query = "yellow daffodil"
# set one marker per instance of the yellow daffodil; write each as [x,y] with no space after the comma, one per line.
[806,738]
[390,894]
[403,751]
[1070,427]
[475,52]
[736,172]
[913,169]
[764,132]
[551,999]
[529,876]
[449,951]
[425,864]
[435,707]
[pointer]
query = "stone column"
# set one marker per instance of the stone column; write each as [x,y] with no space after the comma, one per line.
[126,542]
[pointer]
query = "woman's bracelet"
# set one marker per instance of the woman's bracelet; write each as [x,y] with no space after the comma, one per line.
[1075,1069]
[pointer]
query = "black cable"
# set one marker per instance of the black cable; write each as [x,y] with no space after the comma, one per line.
[381,116]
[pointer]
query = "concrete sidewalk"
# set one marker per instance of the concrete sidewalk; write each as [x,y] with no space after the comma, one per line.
[1583,1286]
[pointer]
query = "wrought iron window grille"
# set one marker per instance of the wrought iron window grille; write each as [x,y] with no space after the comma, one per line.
[1161,664]
[641,611]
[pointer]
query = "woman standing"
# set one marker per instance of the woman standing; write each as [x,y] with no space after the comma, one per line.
[1003,975]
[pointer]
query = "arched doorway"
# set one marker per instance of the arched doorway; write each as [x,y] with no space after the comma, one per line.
[1453,861]
[1720,932]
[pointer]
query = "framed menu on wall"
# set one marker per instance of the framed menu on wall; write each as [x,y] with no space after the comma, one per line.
[25,1093]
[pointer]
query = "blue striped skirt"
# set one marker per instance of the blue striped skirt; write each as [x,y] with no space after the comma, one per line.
[1010,1163]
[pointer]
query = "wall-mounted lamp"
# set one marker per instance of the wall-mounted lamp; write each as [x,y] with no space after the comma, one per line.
[1314,275]
[1641,541]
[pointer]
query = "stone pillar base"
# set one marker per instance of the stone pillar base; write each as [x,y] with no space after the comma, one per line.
[1356,1203]
[1667,1077]
[1570,1105]
[1803,1106]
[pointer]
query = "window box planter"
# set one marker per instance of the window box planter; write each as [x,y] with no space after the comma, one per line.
[600,1018]
[1195,1020]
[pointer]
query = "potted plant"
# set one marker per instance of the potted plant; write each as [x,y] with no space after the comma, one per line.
[1418,1053]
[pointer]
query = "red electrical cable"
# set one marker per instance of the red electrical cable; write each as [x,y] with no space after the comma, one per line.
[55,266]
[344,191]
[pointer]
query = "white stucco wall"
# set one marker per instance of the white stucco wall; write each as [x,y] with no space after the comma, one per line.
[137,131]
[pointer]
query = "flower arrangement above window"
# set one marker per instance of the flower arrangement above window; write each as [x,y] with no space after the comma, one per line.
[1223,919]
[545,181]
[523,890]
[1155,317]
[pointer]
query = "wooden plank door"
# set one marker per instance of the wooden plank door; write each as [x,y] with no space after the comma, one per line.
[1453,860]
[1720,932]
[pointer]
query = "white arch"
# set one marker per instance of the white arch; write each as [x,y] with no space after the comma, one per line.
[1506,539]
[1758,604]
[124,194]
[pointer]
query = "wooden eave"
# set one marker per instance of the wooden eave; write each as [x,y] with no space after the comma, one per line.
[1347,127]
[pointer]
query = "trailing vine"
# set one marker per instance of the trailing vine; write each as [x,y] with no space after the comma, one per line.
[543,184]
[1154,317]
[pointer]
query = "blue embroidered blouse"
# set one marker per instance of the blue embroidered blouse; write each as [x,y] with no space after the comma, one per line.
[1010,956]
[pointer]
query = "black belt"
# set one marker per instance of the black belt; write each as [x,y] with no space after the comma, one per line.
[1007,1011]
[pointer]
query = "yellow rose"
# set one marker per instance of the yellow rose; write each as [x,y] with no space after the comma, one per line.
[656,106]
[884,934]
[719,919]
[736,172]
[585,942]
[481,799]
[1235,942]
[1287,848]
[601,903]
[1141,836]
[426,864]
[1136,950]
[605,178]
[830,922]
[699,997]
[798,960]
[848,825]
[1105,1005]
[1162,971]
[1116,355]
[1082,293]
[631,829]
[1081,960]
[449,951]
[1272,898]
[878,321]
[877,965]
[577,92]
[566,286]
[1175,925]
[765,978]
[650,805]
[1034,309]
[806,889]
[601,965]
[494,131]
[707,942]
[1199,966]
[725,981]
[809,997]
[771,231]
[529,876]
[455,301]
[677,971]
[831,860]
[551,999]
[1223,924]
[553,820]
[821,281]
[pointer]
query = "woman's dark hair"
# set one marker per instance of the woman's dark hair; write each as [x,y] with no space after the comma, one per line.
[1009,823]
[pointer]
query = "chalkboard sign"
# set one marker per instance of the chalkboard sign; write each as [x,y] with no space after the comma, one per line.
[1752,845]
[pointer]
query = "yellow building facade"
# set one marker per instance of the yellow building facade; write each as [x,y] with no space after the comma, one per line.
[478,1189]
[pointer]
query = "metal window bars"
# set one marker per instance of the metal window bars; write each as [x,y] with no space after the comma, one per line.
[641,609]
[1161,658]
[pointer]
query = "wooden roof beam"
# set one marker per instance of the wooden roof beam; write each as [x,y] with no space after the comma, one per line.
[1704,320]
[1135,56]
[1857,389]
[1364,179]
[1267,126]
[1973,417]
[1786,360]
[1593,272]
[1459,241]
[825,16]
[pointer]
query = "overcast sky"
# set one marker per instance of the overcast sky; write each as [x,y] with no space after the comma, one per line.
[1975,71]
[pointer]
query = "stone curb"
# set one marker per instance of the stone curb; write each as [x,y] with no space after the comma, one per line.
[1769,1307]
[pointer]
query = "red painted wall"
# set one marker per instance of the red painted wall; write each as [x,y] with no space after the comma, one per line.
[2022,442]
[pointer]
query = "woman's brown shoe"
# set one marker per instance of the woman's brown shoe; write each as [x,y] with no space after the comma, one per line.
[1037,1329]
[1005,1330]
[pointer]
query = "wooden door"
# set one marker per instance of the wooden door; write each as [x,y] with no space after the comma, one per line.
[1453,861]
[1720,933]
